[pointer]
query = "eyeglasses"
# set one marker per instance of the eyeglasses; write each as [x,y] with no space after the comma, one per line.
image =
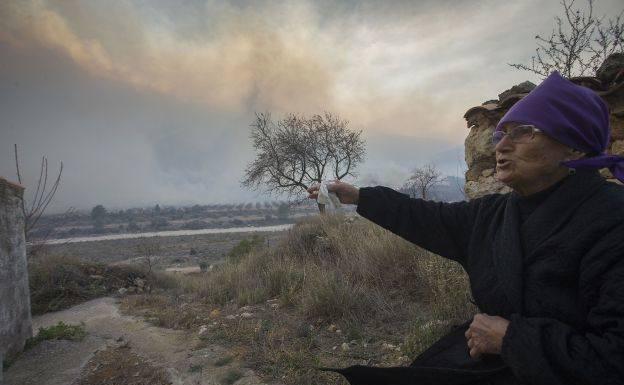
[517,134]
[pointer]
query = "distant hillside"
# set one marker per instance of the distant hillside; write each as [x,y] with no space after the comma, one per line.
[450,190]
[167,218]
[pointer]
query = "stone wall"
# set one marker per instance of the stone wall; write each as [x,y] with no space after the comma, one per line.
[481,120]
[15,319]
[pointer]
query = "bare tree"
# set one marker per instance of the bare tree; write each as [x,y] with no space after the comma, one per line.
[295,152]
[579,43]
[148,249]
[42,197]
[423,179]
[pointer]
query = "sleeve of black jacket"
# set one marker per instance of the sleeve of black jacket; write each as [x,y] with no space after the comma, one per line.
[547,351]
[442,228]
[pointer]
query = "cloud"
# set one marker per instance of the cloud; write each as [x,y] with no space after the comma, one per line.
[404,67]
[244,60]
[362,60]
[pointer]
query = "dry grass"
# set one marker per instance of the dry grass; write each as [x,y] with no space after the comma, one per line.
[58,282]
[163,310]
[327,270]
[119,365]
[336,268]
[231,376]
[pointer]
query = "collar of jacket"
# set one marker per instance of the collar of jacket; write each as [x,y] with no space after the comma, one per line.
[546,220]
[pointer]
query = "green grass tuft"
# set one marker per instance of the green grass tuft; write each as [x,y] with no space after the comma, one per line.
[231,376]
[224,361]
[60,331]
[244,247]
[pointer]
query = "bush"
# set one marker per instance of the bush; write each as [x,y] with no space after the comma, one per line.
[330,296]
[244,247]
[159,223]
[195,224]
[231,376]
[60,331]
[58,282]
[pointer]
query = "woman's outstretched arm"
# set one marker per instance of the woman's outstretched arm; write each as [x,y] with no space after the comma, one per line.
[442,228]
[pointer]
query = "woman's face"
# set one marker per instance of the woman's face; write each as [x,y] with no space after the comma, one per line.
[532,165]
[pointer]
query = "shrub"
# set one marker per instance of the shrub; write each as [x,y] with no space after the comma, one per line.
[244,247]
[328,295]
[231,376]
[225,360]
[60,331]
[57,282]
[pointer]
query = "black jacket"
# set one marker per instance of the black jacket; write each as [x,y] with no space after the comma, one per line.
[558,277]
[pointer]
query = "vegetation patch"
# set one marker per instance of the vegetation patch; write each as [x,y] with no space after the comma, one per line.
[164,311]
[225,360]
[231,376]
[60,331]
[244,247]
[119,365]
[335,291]
[58,282]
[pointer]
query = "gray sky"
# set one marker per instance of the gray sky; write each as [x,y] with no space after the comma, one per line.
[150,101]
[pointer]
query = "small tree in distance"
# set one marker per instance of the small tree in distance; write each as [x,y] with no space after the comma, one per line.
[423,179]
[148,249]
[98,216]
[578,45]
[42,197]
[296,152]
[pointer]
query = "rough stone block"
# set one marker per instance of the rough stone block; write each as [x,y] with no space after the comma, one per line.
[617,148]
[15,318]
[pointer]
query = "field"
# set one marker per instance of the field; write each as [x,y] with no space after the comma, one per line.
[184,250]
[101,221]
[66,274]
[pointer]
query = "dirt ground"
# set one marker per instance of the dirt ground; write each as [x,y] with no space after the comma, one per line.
[122,349]
[119,365]
[171,250]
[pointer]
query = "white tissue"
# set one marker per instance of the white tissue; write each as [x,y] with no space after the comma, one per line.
[326,198]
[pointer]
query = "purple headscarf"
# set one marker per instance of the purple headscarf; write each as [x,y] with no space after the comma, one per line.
[573,115]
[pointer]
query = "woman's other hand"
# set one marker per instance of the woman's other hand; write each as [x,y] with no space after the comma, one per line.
[346,193]
[485,334]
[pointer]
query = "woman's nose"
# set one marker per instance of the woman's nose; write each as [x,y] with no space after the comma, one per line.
[505,144]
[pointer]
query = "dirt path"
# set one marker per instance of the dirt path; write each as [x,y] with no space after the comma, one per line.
[66,362]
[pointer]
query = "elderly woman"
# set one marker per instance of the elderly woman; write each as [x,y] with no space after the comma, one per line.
[545,262]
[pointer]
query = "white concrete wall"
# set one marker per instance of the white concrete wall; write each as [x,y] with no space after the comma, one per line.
[15,319]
